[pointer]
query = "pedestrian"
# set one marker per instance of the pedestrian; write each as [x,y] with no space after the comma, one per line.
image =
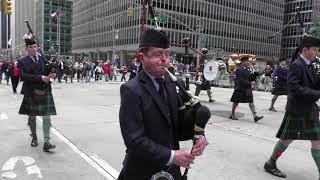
[301,119]
[15,77]
[38,99]
[149,119]
[106,71]
[243,89]
[124,72]
[281,82]
[60,69]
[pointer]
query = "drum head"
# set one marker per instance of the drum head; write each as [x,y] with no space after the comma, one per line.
[210,71]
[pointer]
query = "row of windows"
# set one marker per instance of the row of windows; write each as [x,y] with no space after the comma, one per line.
[223,20]
[131,36]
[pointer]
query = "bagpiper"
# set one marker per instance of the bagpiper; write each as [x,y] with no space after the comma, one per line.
[243,89]
[301,119]
[38,99]
[281,82]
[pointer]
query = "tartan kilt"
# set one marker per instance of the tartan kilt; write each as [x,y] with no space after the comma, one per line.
[32,108]
[300,127]
[279,91]
[240,96]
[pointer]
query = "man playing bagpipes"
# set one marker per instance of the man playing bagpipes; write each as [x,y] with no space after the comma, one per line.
[38,99]
[301,119]
[243,89]
[151,123]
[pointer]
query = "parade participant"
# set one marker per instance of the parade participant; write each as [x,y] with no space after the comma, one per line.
[281,82]
[150,124]
[38,99]
[202,83]
[243,89]
[301,119]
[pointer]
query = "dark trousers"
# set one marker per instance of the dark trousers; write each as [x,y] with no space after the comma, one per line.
[123,77]
[59,74]
[14,82]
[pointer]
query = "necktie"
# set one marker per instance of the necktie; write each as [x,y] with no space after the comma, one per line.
[35,59]
[161,91]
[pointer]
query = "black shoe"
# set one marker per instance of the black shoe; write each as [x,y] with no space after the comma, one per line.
[272,169]
[233,117]
[47,146]
[257,118]
[211,100]
[34,141]
[272,109]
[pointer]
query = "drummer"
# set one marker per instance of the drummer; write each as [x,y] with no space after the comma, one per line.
[202,83]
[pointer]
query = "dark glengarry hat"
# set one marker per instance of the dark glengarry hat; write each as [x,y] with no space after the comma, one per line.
[309,41]
[29,40]
[154,38]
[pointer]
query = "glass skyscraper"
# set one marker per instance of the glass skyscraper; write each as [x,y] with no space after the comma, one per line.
[46,26]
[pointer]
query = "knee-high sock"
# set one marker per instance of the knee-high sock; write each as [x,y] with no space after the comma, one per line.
[234,107]
[209,93]
[33,125]
[253,109]
[46,124]
[277,151]
[198,90]
[316,156]
[273,100]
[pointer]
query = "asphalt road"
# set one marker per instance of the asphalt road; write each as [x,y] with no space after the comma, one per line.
[89,143]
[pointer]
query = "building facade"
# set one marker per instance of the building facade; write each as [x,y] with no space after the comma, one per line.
[227,26]
[48,31]
[309,14]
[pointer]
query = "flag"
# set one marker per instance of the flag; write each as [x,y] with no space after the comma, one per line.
[9,42]
[55,14]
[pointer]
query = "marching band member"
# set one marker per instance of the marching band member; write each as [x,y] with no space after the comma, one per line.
[38,99]
[281,82]
[149,120]
[202,83]
[243,89]
[301,119]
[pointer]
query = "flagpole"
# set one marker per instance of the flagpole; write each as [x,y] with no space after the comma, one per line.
[59,34]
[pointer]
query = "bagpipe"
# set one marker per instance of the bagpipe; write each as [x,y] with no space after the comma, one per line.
[50,65]
[190,108]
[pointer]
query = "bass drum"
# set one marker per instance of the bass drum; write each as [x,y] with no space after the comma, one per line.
[210,70]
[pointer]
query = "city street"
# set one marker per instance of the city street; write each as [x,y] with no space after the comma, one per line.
[90,147]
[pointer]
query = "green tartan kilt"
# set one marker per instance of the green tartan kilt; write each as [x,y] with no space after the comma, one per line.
[242,96]
[299,127]
[31,107]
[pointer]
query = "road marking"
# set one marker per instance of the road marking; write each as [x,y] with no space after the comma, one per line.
[10,164]
[3,116]
[100,165]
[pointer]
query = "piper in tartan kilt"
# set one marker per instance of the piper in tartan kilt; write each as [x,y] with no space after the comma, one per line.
[301,119]
[243,89]
[38,99]
[281,82]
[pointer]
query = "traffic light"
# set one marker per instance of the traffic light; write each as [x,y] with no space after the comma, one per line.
[130,11]
[8,7]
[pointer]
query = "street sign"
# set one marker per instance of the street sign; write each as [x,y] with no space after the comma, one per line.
[203,40]
[161,19]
